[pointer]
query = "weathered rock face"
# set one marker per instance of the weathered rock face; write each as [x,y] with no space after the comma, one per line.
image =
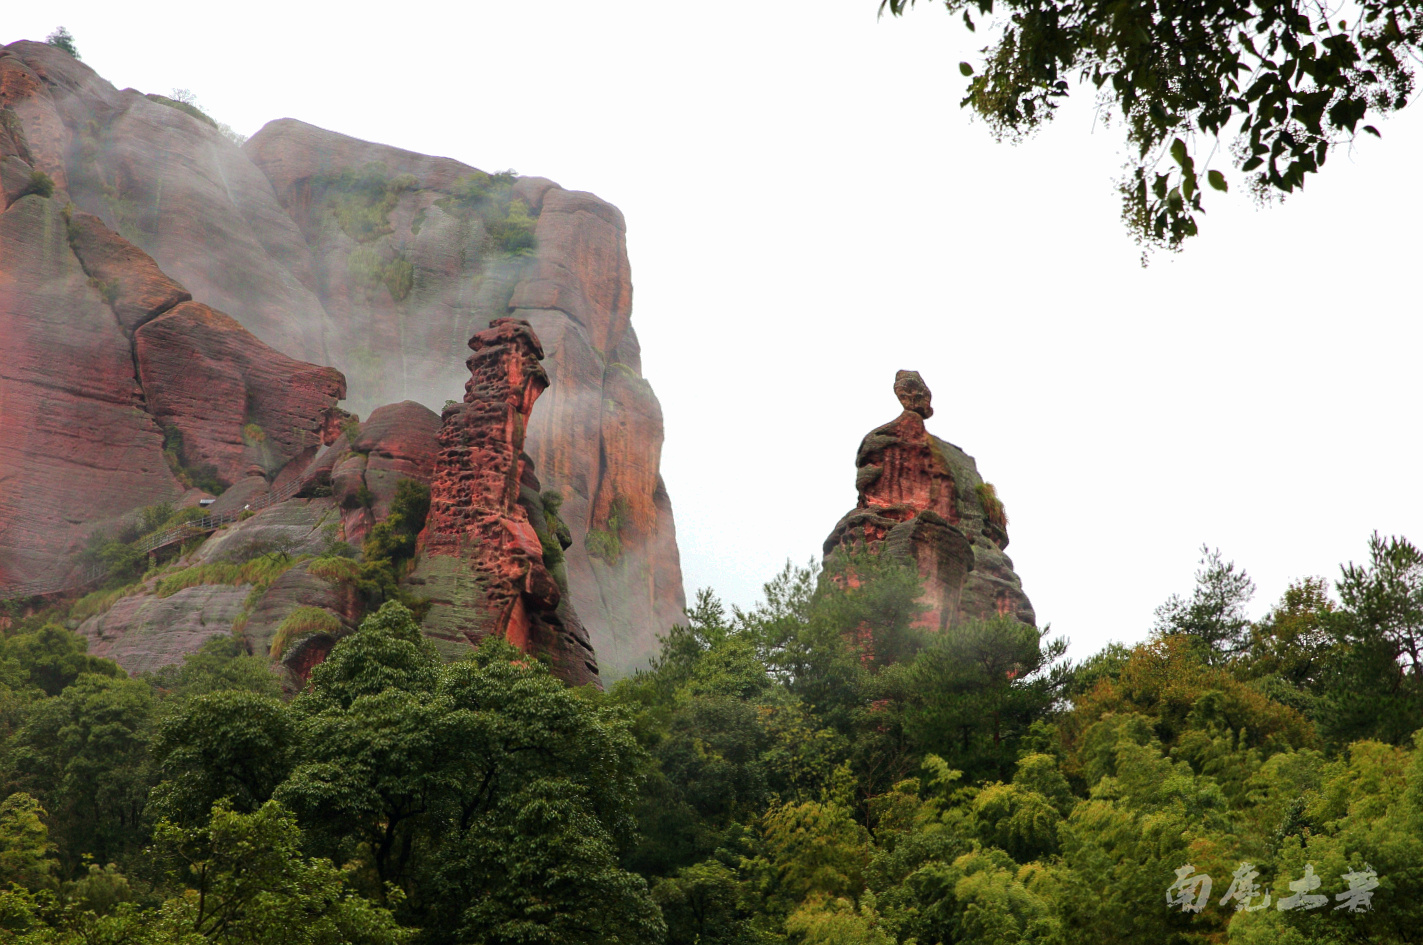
[143,632]
[484,565]
[597,438]
[128,275]
[381,263]
[242,409]
[77,449]
[922,499]
[108,364]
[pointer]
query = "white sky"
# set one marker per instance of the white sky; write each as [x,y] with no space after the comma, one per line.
[809,210]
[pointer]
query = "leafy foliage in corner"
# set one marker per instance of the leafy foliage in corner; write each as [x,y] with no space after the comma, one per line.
[1282,84]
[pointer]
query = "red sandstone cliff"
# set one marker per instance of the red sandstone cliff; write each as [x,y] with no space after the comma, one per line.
[922,499]
[116,389]
[381,262]
[484,566]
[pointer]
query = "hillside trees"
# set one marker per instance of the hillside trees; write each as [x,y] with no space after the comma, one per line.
[1273,86]
[812,770]
[481,800]
[1215,613]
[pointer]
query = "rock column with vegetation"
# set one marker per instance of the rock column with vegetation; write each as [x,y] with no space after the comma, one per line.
[491,562]
[922,499]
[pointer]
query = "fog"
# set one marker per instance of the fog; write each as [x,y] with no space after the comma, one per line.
[809,210]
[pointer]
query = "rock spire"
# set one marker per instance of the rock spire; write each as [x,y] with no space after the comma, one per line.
[922,499]
[492,546]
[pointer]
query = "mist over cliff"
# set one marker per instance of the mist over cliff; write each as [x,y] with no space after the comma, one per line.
[382,263]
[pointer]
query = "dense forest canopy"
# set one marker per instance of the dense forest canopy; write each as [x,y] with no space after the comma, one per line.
[814,770]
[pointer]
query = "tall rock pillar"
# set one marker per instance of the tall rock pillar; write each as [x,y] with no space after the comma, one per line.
[491,550]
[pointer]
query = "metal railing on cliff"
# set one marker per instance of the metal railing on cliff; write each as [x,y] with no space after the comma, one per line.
[152,543]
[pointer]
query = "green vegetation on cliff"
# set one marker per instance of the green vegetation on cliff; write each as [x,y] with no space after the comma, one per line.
[361,198]
[508,225]
[606,543]
[61,38]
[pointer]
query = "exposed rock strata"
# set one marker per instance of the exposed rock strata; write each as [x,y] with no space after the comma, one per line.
[79,450]
[253,232]
[596,439]
[111,371]
[483,562]
[920,499]
[241,407]
[126,274]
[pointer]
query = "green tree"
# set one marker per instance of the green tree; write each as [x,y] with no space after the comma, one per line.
[1142,821]
[221,664]
[1215,614]
[1361,811]
[84,756]
[702,903]
[1284,84]
[539,866]
[53,657]
[809,851]
[248,883]
[838,922]
[426,775]
[980,897]
[234,746]
[1374,687]
[63,39]
[1293,649]
[973,694]
[26,855]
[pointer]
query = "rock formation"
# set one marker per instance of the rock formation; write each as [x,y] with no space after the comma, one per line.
[922,499]
[240,408]
[381,263]
[485,565]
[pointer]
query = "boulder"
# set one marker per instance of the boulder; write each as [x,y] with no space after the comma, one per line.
[143,632]
[400,441]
